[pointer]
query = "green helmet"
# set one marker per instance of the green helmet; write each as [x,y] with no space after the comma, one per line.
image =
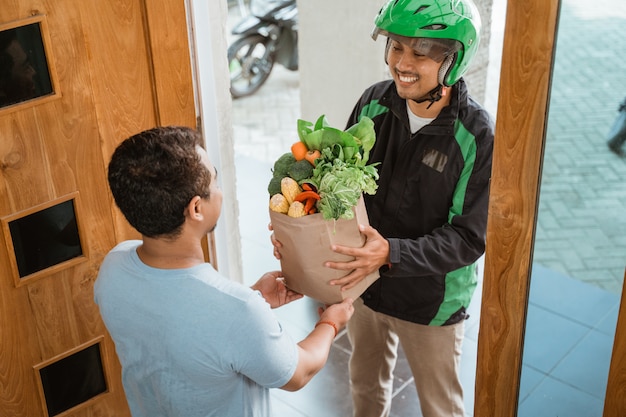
[446,30]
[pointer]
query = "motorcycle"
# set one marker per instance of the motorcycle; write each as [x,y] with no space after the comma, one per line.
[268,35]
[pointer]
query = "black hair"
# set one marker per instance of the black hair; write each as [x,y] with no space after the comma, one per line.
[153,176]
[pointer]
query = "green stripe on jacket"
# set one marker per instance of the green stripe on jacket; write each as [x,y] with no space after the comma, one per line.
[460,283]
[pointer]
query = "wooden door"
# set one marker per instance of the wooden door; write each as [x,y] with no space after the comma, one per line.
[103,70]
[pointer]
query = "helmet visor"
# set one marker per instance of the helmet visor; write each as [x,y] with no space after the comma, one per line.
[434,48]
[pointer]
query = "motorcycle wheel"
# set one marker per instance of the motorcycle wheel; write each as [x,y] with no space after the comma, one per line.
[250,62]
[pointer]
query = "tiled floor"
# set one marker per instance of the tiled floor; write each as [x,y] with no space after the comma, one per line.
[569,335]
[568,340]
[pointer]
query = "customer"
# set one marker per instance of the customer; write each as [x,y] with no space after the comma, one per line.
[428,218]
[191,342]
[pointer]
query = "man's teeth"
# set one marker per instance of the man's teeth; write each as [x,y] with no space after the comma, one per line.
[407,79]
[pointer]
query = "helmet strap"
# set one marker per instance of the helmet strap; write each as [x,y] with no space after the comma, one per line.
[432,96]
[436,93]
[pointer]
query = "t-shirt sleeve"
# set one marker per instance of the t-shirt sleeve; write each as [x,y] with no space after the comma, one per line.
[268,355]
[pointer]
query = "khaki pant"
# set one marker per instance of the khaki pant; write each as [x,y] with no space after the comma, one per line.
[433,353]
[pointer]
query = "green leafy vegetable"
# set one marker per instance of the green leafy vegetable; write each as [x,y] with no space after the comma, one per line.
[341,173]
[365,135]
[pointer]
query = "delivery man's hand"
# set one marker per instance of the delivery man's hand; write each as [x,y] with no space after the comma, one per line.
[367,259]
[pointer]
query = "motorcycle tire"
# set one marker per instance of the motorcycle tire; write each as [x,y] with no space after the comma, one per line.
[250,62]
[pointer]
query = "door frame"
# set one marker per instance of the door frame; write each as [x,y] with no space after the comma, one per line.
[211,78]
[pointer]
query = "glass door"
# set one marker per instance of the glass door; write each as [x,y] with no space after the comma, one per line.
[580,239]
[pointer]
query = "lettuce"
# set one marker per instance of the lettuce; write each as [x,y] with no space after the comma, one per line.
[340,185]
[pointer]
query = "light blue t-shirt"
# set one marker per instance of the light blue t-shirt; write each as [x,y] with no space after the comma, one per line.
[191,342]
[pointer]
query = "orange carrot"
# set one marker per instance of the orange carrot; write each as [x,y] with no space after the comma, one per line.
[311,156]
[299,150]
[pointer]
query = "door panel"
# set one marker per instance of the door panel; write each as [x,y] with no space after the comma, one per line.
[118,68]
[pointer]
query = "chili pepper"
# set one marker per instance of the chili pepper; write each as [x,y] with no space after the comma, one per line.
[305,195]
[308,187]
[309,204]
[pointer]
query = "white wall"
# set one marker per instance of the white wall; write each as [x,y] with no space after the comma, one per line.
[338,58]
[215,110]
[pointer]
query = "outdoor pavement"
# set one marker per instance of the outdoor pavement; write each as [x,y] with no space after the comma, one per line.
[580,243]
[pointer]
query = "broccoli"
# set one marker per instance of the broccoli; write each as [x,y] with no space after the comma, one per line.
[282,164]
[301,170]
[274,185]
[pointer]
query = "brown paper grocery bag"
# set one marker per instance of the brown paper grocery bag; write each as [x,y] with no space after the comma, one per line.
[306,247]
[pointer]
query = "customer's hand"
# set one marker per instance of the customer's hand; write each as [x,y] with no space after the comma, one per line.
[275,242]
[273,289]
[338,313]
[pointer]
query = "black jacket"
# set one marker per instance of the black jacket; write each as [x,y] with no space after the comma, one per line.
[431,204]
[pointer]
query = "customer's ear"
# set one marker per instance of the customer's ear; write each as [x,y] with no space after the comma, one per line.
[194,209]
